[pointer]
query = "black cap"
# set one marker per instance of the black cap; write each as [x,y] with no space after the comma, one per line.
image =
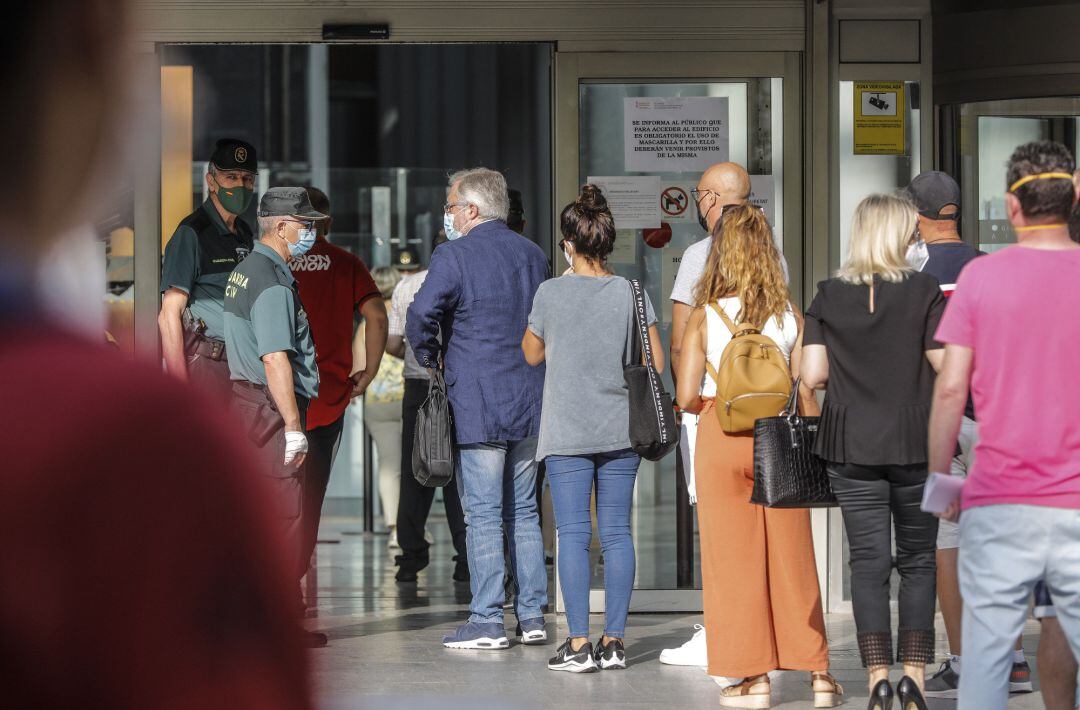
[406,260]
[288,202]
[931,191]
[234,154]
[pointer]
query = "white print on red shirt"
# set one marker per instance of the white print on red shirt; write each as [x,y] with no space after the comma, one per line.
[311,262]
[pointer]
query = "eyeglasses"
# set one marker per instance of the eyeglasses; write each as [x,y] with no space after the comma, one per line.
[449,206]
[699,195]
[303,224]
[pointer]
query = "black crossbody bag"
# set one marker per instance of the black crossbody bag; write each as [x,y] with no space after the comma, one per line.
[653,433]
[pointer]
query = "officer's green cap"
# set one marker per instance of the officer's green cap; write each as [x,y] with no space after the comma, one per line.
[234,154]
[288,202]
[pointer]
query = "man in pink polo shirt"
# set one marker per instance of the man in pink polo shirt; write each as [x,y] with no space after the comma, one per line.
[1012,334]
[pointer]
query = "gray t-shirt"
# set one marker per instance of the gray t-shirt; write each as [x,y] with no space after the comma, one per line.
[586,324]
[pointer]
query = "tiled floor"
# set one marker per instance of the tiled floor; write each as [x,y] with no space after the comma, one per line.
[385,653]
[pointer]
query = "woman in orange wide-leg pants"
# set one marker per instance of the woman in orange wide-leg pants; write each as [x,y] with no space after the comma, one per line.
[759,577]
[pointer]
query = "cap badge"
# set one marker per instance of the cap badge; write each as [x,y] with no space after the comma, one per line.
[241,154]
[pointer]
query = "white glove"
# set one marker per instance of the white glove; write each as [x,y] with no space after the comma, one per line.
[295,446]
[688,443]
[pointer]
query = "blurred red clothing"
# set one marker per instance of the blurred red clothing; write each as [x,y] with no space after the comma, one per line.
[140,560]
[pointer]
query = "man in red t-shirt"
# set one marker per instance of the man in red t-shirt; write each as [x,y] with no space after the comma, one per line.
[335,286]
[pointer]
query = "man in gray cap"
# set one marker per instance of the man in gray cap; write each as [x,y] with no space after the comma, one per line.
[205,248]
[271,352]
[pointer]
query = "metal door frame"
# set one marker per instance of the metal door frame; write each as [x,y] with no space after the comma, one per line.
[574,68]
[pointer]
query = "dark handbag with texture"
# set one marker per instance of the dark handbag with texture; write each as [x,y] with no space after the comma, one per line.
[653,433]
[787,473]
[433,443]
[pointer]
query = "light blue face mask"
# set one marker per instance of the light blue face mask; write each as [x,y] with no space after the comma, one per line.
[304,244]
[448,227]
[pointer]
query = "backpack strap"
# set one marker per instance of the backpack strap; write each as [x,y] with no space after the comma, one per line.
[735,330]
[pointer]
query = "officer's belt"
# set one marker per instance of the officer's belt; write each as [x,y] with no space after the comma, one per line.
[208,347]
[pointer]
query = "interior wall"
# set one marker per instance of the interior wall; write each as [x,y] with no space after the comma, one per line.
[642,25]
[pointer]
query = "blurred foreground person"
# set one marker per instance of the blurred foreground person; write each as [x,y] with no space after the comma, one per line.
[138,570]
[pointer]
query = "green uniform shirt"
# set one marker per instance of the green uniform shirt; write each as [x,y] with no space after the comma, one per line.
[263,314]
[198,260]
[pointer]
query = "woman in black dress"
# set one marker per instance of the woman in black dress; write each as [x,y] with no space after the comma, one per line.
[869,341]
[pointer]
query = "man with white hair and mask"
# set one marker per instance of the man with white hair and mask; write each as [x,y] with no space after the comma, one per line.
[478,294]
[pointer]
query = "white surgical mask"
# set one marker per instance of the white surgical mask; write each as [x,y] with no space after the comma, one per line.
[304,243]
[448,227]
[568,256]
[918,254]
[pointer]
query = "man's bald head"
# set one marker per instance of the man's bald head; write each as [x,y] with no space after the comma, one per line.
[722,184]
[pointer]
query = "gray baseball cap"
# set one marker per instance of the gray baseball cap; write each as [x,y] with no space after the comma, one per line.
[932,190]
[288,202]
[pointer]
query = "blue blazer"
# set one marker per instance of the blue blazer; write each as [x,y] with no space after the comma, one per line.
[478,293]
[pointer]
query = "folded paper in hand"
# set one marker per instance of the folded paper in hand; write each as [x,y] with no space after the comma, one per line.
[941,491]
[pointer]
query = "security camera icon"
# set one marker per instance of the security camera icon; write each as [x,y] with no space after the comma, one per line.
[879,103]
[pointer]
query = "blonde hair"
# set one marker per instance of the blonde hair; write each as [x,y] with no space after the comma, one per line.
[881,229]
[743,261]
[385,278]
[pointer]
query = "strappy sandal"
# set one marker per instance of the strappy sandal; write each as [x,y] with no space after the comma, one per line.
[753,693]
[826,698]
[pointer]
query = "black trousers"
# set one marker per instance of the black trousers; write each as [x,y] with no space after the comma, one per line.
[415,502]
[286,483]
[322,449]
[873,499]
[212,376]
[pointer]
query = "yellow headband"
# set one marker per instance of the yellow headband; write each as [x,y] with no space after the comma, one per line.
[1039,176]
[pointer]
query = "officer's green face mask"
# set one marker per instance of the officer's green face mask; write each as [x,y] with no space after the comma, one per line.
[234,199]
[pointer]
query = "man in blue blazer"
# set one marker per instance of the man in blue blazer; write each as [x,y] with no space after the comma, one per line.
[478,295]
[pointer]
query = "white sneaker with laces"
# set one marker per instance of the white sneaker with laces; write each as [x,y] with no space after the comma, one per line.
[691,653]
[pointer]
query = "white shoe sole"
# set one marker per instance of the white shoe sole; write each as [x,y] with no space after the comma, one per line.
[827,700]
[574,667]
[950,694]
[481,644]
[669,661]
[1021,687]
[532,638]
[615,664]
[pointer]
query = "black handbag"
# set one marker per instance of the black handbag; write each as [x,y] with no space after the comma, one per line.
[653,433]
[787,472]
[433,442]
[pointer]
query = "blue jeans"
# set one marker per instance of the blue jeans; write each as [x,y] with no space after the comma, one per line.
[572,479]
[497,482]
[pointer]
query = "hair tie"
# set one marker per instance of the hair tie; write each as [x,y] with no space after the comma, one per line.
[1039,176]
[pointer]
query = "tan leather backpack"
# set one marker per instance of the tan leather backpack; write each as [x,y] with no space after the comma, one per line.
[753,380]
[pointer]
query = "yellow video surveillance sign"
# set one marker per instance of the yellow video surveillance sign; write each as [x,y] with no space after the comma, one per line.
[879,118]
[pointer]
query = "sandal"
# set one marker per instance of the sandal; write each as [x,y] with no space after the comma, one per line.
[827,692]
[753,693]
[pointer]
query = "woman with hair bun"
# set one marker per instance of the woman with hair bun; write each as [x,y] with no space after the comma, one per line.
[582,325]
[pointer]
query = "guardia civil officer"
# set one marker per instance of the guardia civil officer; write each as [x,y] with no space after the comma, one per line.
[272,354]
[203,251]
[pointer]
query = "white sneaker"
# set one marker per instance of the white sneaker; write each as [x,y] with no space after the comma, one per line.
[691,653]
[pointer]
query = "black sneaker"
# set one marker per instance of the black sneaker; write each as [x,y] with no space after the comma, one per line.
[944,683]
[610,657]
[1020,678]
[580,661]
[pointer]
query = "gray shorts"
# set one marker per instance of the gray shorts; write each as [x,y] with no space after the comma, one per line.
[948,537]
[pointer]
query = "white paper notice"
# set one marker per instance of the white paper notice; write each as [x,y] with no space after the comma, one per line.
[634,201]
[625,251]
[676,135]
[669,268]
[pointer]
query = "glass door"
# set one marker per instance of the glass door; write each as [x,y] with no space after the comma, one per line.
[989,132]
[644,127]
